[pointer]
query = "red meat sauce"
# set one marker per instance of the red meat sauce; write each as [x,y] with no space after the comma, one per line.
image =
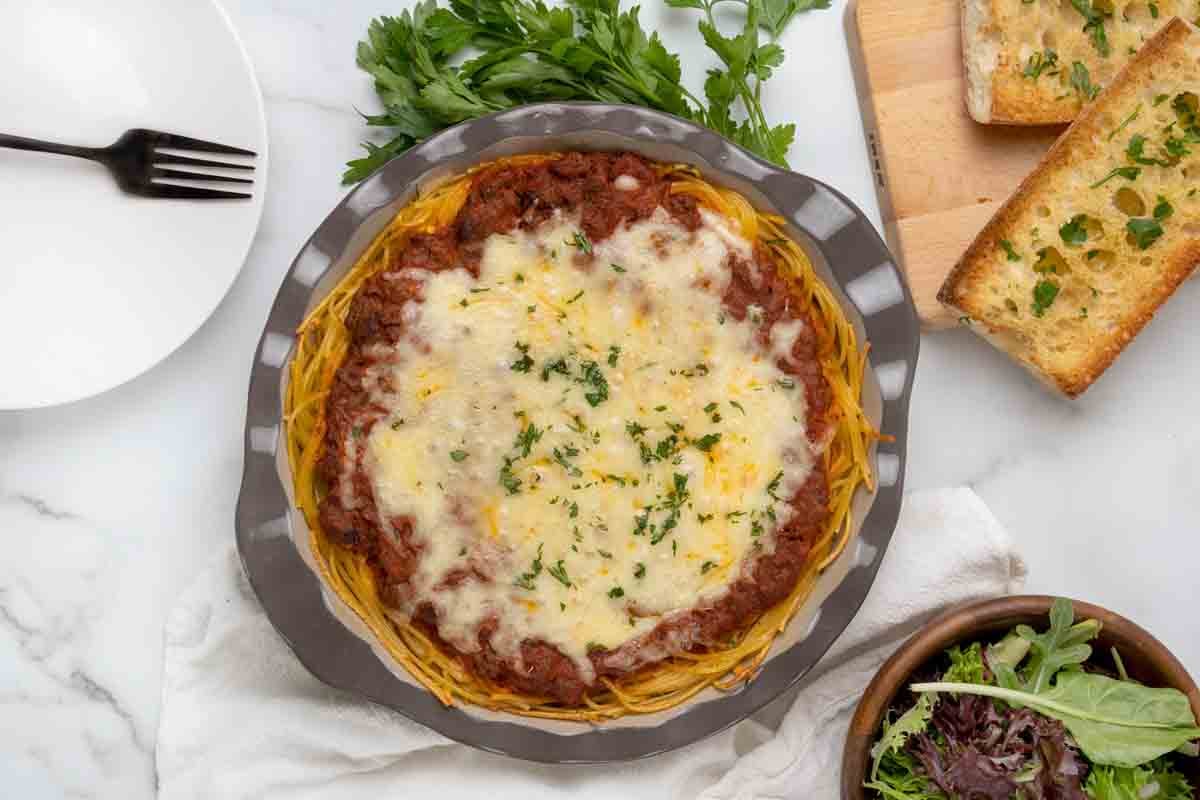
[502,199]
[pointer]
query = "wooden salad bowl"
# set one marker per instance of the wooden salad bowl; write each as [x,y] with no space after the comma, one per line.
[1146,659]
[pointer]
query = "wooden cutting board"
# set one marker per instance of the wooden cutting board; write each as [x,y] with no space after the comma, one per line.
[940,175]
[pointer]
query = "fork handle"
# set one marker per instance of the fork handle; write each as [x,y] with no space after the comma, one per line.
[38,146]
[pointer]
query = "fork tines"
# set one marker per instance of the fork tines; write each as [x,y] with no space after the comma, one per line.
[160,140]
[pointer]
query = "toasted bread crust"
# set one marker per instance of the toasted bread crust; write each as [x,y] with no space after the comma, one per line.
[963,290]
[1000,36]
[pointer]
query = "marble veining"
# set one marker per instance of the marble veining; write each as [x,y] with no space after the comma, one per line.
[108,507]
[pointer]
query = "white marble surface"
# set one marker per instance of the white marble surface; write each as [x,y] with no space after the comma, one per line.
[109,506]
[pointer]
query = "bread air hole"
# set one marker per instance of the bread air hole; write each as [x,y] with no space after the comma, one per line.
[1100,260]
[1043,211]
[1129,202]
[1137,13]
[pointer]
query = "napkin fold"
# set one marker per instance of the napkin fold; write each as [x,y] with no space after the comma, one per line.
[241,718]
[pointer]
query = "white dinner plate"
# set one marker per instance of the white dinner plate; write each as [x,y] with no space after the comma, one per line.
[97,286]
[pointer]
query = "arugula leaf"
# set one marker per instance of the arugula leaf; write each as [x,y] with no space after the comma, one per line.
[1114,722]
[1062,645]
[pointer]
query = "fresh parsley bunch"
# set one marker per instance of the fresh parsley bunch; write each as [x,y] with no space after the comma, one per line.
[527,52]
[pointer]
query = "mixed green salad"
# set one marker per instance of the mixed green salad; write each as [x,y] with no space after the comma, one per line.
[1032,717]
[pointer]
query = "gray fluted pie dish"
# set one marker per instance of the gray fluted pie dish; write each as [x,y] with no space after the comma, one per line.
[846,252]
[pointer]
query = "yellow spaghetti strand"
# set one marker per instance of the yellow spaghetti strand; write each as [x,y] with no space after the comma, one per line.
[322,343]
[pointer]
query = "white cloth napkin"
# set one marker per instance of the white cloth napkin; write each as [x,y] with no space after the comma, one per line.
[241,718]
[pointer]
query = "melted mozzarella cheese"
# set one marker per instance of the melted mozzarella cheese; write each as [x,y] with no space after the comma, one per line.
[595,437]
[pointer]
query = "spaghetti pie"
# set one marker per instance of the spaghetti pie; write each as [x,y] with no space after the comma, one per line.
[576,434]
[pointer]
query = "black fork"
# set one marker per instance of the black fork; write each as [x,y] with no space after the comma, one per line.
[137,159]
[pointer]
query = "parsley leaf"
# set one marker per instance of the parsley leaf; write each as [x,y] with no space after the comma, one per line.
[1043,296]
[1039,62]
[458,455]
[706,442]
[1163,209]
[1081,81]
[581,242]
[559,573]
[1144,232]
[1128,173]
[526,580]
[1009,251]
[524,363]
[1075,231]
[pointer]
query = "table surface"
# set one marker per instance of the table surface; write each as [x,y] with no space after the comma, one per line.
[108,507]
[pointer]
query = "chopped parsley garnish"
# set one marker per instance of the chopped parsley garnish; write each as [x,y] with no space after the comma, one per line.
[786,383]
[578,295]
[559,573]
[580,241]
[510,482]
[603,553]
[617,479]
[1094,25]
[1039,63]
[711,407]
[1043,296]
[397,424]
[1081,81]
[525,581]
[480,290]
[675,499]
[639,570]
[616,592]
[617,267]
[634,430]
[1144,232]
[1075,231]
[573,511]
[1007,247]
[458,455]
[558,365]
[737,405]
[675,427]
[706,442]
[572,470]
[527,438]
[1128,173]
[703,518]
[1163,209]
[660,408]
[1159,99]
[1011,305]
[640,523]
[593,377]
[614,352]
[524,363]
[756,528]
[1125,124]
[1136,152]
[706,566]
[666,448]
[773,486]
